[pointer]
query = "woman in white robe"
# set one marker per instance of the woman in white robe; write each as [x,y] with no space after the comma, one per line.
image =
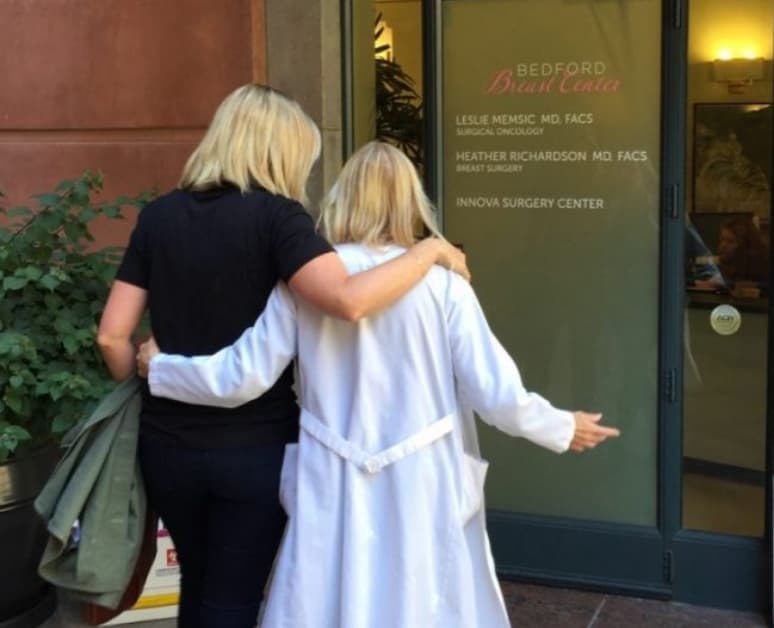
[384,489]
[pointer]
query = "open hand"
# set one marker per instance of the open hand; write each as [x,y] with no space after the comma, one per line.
[589,433]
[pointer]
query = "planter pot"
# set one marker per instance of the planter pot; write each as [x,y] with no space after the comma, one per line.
[26,600]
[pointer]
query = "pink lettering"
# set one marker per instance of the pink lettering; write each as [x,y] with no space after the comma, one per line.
[572,85]
[502,82]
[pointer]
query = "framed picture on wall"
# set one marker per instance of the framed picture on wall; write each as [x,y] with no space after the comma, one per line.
[732,163]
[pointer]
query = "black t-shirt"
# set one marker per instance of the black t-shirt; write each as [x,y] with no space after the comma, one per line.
[209,261]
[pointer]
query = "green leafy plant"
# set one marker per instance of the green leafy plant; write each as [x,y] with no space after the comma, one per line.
[53,285]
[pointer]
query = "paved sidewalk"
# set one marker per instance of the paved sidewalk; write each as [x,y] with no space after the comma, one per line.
[532,606]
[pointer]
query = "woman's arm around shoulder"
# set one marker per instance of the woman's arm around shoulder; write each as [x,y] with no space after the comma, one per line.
[236,374]
[325,283]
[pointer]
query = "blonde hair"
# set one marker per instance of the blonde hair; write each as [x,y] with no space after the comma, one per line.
[377,199]
[257,136]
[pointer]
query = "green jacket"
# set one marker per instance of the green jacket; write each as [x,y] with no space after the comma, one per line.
[94,503]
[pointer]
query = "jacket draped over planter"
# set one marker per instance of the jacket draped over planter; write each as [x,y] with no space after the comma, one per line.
[94,503]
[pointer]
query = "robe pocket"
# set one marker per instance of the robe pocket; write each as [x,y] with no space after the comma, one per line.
[474,476]
[288,487]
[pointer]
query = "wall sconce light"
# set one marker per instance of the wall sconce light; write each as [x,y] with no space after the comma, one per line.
[738,74]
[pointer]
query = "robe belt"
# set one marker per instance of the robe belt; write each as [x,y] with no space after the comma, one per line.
[373,463]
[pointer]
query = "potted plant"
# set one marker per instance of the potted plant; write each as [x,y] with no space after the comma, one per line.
[53,284]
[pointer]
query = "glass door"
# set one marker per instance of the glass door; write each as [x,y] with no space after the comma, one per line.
[384,79]
[551,162]
[606,167]
[726,304]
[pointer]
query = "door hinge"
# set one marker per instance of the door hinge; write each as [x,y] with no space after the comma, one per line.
[669,567]
[670,385]
[678,16]
[673,201]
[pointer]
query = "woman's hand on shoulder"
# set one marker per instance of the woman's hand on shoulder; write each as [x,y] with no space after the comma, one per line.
[444,254]
[325,283]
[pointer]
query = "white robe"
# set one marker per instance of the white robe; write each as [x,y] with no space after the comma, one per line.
[384,489]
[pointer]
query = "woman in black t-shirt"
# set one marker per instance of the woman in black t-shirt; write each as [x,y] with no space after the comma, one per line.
[204,259]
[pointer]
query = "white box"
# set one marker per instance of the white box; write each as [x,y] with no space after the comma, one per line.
[161,592]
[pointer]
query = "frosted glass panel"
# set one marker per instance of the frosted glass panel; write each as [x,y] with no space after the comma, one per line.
[551,136]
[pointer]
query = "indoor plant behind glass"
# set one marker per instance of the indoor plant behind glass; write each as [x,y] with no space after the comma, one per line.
[398,105]
[53,285]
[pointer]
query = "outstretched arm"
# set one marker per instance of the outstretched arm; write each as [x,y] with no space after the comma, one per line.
[236,374]
[491,384]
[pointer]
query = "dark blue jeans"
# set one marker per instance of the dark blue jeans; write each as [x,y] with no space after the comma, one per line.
[222,510]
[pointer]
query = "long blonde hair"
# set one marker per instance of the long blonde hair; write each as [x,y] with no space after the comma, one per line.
[257,136]
[377,199]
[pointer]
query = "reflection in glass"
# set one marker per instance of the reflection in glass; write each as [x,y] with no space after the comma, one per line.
[727,263]
[728,254]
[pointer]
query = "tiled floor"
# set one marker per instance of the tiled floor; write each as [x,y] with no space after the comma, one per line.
[532,606]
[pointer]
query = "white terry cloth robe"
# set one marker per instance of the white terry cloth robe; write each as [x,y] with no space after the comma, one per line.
[384,490]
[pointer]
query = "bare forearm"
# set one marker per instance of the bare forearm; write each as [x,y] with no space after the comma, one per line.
[368,292]
[119,356]
[325,283]
[120,318]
